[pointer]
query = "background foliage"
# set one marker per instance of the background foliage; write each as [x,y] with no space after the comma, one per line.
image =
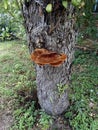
[11,20]
[87,21]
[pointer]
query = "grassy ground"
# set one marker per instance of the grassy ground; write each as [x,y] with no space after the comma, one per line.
[17,83]
[16,71]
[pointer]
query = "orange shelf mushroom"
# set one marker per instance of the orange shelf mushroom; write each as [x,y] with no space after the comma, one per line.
[43,57]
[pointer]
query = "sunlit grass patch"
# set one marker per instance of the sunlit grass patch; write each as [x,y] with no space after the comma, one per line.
[17,80]
[14,62]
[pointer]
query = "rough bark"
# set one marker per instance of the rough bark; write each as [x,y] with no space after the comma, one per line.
[54,31]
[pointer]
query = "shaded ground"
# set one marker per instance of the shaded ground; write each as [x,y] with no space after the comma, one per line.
[6,120]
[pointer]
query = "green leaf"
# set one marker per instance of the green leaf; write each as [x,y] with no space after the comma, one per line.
[65,4]
[5,4]
[76,2]
[49,8]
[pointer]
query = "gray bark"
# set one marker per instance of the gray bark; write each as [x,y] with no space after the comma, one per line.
[54,31]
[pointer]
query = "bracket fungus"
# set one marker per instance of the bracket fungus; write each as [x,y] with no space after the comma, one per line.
[43,56]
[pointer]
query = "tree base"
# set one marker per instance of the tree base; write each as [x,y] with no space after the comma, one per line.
[59,123]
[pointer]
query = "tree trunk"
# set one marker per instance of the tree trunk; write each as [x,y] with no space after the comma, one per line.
[54,31]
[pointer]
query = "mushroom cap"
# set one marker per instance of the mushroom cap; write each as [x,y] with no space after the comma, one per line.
[43,56]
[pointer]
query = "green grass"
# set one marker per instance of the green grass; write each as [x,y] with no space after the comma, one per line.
[17,82]
[83,113]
